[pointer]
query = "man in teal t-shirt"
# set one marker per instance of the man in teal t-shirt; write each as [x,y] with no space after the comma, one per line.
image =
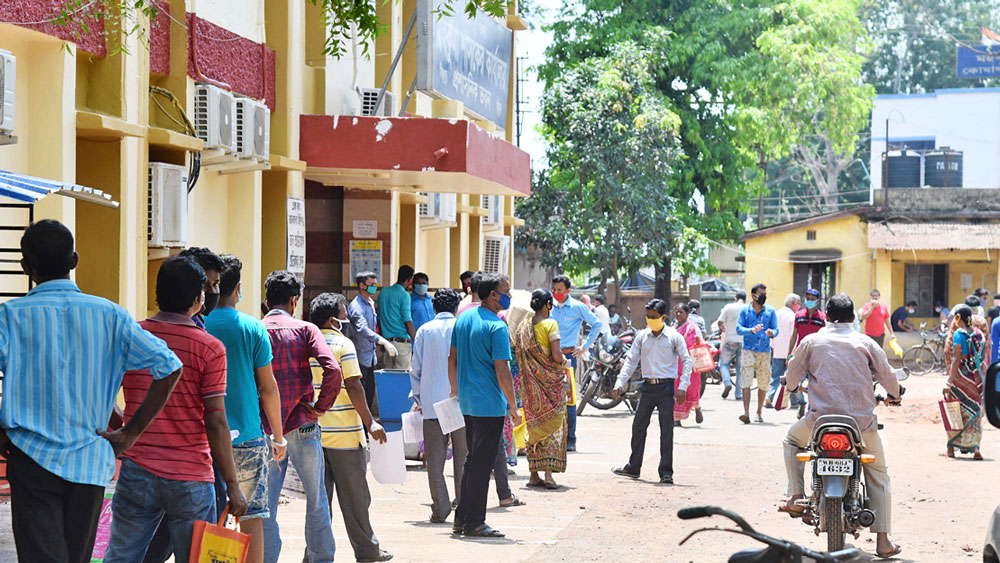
[395,320]
[250,389]
[480,376]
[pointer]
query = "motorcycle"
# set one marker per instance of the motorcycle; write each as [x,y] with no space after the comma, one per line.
[713,376]
[608,359]
[777,550]
[839,503]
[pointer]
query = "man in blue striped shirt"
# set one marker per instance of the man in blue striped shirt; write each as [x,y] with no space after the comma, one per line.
[63,354]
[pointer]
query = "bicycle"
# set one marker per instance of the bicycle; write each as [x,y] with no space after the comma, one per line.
[928,355]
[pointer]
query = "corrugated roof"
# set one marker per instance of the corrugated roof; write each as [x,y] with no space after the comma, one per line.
[933,236]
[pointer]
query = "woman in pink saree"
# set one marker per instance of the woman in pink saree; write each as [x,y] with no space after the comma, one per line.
[689,331]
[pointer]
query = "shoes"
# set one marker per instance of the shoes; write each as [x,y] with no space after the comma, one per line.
[571,447]
[436,520]
[383,555]
[725,392]
[622,471]
[677,424]
[698,417]
[667,480]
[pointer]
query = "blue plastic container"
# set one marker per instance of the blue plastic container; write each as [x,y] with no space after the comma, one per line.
[392,388]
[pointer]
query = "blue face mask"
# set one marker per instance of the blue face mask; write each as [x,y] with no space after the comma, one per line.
[810,304]
[420,288]
[504,301]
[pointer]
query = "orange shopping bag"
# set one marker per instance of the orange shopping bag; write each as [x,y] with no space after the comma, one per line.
[215,543]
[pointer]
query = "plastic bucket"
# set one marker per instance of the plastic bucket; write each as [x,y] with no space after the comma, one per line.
[392,387]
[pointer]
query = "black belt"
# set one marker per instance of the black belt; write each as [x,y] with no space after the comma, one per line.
[653,381]
[398,339]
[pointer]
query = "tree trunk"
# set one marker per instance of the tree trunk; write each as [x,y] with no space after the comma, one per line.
[603,288]
[662,288]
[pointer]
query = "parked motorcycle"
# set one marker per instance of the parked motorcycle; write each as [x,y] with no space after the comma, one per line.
[839,503]
[608,359]
[777,550]
[713,376]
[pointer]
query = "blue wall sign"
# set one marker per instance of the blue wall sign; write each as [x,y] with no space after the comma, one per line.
[978,62]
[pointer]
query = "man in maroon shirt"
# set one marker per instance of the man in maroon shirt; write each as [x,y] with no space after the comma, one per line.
[167,475]
[293,343]
[808,321]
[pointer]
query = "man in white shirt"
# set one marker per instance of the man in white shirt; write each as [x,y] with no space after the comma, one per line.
[732,344]
[658,349]
[780,343]
[429,384]
[601,312]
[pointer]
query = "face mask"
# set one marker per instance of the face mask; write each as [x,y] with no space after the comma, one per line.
[656,325]
[504,301]
[372,289]
[810,304]
[420,289]
[340,322]
[239,297]
[560,297]
[761,298]
[211,301]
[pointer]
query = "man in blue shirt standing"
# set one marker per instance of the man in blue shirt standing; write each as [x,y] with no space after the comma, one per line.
[361,311]
[479,373]
[397,320]
[571,314]
[757,324]
[421,304]
[63,354]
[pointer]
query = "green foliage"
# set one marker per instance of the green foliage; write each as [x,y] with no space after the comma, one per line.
[115,19]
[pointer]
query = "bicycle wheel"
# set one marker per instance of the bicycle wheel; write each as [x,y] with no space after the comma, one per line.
[919,360]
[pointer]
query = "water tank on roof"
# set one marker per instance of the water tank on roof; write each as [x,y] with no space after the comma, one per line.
[902,169]
[943,168]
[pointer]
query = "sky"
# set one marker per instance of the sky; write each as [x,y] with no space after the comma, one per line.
[532,44]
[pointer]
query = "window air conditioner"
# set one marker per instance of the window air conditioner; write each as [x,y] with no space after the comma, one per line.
[496,254]
[8,75]
[430,212]
[448,207]
[215,117]
[253,129]
[493,204]
[168,204]
[368,99]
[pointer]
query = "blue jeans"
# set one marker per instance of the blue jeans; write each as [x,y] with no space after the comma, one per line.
[305,450]
[571,411]
[778,366]
[731,353]
[142,500]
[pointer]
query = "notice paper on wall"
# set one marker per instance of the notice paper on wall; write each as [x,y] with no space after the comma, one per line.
[449,415]
[413,427]
[388,463]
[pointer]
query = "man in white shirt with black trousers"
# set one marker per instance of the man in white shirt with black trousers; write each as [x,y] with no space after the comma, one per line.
[658,349]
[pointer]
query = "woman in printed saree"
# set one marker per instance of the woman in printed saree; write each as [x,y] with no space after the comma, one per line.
[691,335]
[966,374]
[543,391]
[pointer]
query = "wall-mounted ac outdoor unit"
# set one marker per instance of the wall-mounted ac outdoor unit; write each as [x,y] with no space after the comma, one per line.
[368,98]
[168,204]
[428,212]
[253,129]
[448,207]
[215,117]
[496,254]
[8,75]
[493,204]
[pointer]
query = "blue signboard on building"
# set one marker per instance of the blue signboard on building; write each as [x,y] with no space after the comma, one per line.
[466,59]
[978,62]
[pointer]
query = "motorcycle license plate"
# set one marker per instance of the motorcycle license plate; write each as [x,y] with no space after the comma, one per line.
[827,466]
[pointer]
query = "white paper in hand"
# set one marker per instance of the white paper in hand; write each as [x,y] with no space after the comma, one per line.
[449,415]
[388,464]
[413,427]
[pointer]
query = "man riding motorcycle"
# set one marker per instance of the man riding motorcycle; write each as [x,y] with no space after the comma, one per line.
[840,364]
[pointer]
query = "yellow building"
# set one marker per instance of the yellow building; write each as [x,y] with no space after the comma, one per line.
[288,163]
[934,245]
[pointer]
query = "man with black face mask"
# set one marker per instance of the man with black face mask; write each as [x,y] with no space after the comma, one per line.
[212,264]
[757,324]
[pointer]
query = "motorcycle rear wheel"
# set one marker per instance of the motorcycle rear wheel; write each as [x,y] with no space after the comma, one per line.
[586,394]
[833,517]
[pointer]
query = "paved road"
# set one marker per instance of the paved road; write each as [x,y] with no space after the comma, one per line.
[942,506]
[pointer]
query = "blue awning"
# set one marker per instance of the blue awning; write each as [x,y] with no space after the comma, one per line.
[31,189]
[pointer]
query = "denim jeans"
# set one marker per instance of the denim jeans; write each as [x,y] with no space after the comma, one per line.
[142,500]
[730,355]
[778,367]
[305,450]
[571,410]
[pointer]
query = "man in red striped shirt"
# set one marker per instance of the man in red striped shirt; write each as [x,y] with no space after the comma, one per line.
[167,475]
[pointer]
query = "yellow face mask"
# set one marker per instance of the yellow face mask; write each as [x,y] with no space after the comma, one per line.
[656,325]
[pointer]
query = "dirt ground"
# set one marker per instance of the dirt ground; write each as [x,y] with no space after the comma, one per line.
[941,506]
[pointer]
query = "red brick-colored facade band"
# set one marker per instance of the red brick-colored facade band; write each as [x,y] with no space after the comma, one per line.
[40,15]
[159,39]
[217,55]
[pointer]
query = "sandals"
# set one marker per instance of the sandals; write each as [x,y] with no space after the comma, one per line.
[550,485]
[896,550]
[758,419]
[484,531]
[793,511]
[515,502]
[744,419]
[698,417]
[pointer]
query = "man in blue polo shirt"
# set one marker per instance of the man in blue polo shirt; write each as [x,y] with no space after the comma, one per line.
[479,373]
[396,320]
[421,304]
[571,314]
[757,324]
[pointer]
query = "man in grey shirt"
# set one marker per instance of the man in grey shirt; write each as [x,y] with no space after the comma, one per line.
[658,349]
[694,316]
[840,364]
[732,344]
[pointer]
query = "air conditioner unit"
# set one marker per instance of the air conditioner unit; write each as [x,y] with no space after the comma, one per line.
[215,117]
[253,129]
[493,204]
[430,212]
[448,207]
[368,98]
[496,254]
[168,204]
[8,75]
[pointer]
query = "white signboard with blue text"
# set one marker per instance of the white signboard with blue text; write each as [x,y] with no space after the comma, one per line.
[464,59]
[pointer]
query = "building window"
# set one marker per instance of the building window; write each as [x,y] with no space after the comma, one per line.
[810,235]
[926,284]
[821,276]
